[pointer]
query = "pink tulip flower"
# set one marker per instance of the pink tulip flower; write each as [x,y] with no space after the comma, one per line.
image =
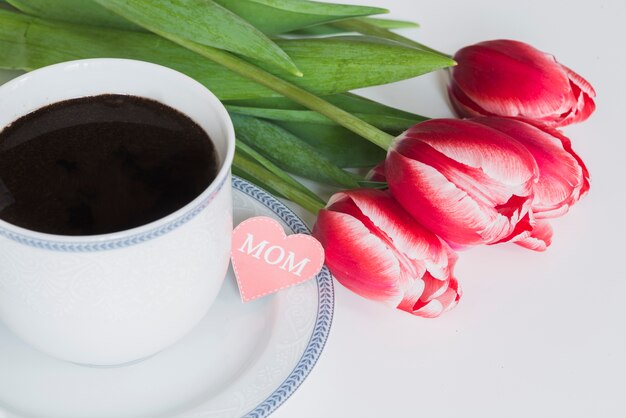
[513,79]
[468,183]
[374,248]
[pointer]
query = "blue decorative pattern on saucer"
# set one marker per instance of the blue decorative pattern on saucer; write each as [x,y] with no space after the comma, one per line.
[326,302]
[114,243]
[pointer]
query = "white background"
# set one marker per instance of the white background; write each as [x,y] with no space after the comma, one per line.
[536,334]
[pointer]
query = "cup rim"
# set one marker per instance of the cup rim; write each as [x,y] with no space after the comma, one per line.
[147,231]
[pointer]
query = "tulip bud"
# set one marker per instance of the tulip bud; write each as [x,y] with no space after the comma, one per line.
[513,79]
[468,183]
[374,248]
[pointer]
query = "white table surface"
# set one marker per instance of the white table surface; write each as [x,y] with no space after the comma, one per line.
[536,334]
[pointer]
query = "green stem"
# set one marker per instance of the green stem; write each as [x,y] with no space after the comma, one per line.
[386,123]
[287,89]
[249,152]
[366,28]
[255,171]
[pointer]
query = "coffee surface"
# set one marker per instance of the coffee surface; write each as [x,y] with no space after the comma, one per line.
[101,164]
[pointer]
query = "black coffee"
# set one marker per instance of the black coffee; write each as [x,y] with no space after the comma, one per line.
[101,164]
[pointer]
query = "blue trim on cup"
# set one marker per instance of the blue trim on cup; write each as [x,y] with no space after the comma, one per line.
[114,243]
[325,308]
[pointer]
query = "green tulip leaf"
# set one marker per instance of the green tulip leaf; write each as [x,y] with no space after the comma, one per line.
[245,166]
[204,22]
[74,11]
[279,16]
[290,152]
[357,61]
[389,124]
[330,29]
[333,65]
[380,185]
[340,146]
[89,13]
[241,148]
[387,118]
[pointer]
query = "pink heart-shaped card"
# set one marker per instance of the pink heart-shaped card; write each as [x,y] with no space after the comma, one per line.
[265,260]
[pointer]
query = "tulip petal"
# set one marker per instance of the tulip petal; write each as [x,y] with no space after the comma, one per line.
[539,239]
[357,258]
[442,207]
[448,296]
[481,153]
[377,173]
[577,80]
[452,295]
[523,228]
[412,294]
[584,94]
[563,177]
[463,106]
[418,249]
[433,288]
[431,309]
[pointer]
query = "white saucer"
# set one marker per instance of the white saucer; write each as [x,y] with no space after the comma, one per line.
[242,360]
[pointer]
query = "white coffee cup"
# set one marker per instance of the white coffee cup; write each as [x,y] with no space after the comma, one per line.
[115,298]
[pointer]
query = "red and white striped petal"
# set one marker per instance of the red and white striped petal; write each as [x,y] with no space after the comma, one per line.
[445,209]
[445,297]
[476,158]
[583,93]
[417,249]
[467,183]
[409,238]
[563,177]
[359,259]
[473,145]
[539,239]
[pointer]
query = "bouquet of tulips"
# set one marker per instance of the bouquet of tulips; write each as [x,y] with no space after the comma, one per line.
[495,177]
[284,69]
